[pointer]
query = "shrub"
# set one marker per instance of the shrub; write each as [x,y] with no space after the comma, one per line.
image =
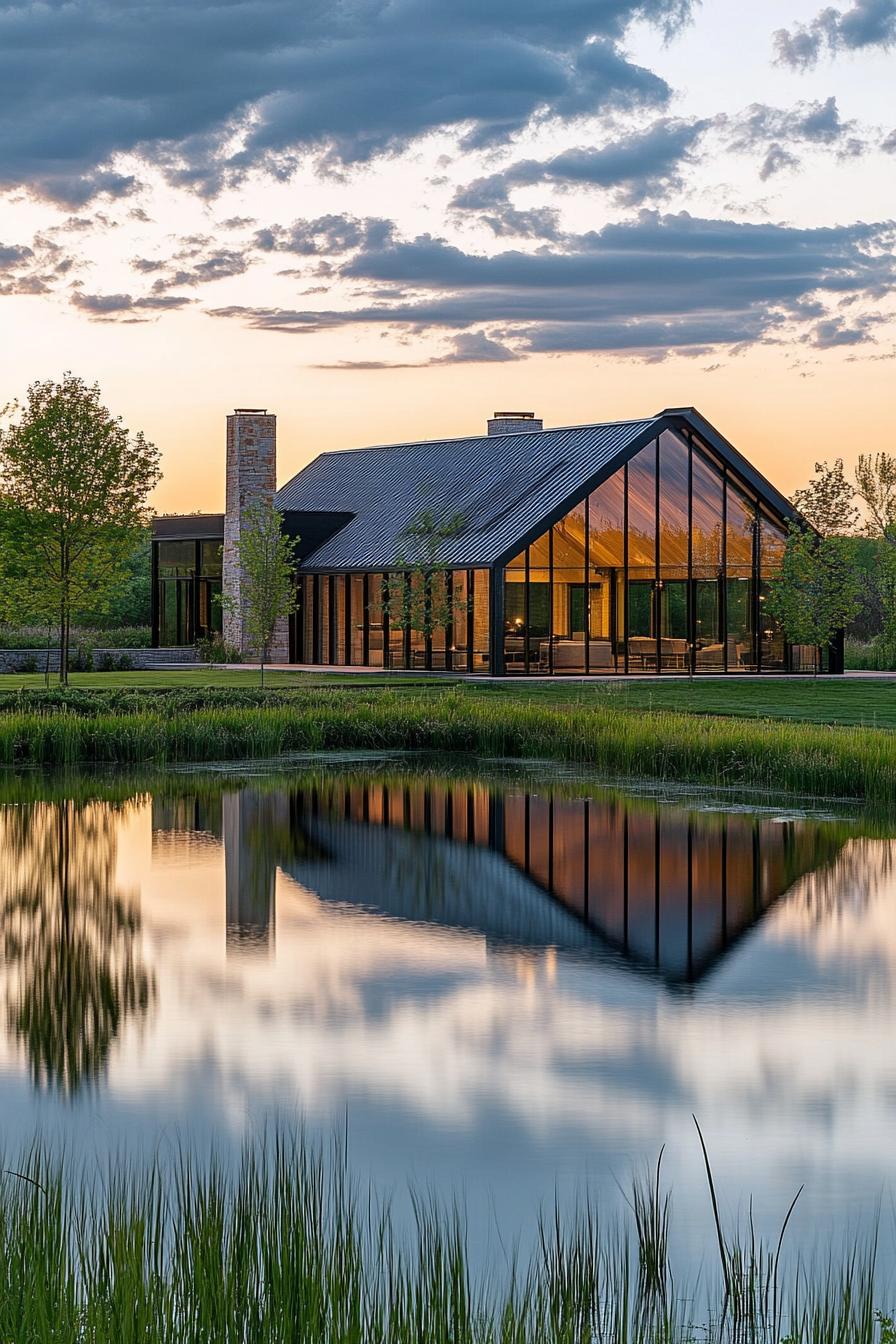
[115,637]
[212,649]
[114,662]
[877,655]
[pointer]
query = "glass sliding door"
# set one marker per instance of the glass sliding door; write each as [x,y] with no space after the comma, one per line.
[481,619]
[515,616]
[569,608]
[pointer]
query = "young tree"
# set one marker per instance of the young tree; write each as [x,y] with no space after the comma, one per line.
[267,577]
[817,590]
[74,485]
[418,596]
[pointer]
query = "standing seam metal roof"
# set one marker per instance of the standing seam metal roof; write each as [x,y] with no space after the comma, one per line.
[503,485]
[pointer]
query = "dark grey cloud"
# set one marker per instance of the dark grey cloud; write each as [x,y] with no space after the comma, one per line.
[866,23]
[645,163]
[655,282]
[346,79]
[196,261]
[327,235]
[835,331]
[117,307]
[13,255]
[33,268]
[888,145]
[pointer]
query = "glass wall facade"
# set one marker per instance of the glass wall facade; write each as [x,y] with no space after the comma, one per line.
[663,568]
[187,591]
[395,620]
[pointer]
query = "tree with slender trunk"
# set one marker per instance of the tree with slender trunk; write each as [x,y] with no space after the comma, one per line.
[816,591]
[418,595]
[74,489]
[267,590]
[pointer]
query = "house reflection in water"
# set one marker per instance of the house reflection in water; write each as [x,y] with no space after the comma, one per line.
[667,889]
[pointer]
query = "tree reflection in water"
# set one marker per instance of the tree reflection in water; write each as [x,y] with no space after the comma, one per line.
[73,969]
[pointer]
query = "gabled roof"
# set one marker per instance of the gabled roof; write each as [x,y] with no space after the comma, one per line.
[505,486]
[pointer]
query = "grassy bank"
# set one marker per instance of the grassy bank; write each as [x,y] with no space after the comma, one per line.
[284,1248]
[801,758]
[869,701]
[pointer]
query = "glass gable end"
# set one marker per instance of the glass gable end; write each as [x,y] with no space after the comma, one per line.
[663,568]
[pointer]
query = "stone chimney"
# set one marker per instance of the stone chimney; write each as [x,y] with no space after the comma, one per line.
[251,479]
[514,422]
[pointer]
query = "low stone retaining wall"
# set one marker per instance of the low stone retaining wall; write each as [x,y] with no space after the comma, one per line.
[35,660]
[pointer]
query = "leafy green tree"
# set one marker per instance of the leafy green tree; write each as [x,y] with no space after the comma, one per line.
[266,559]
[74,486]
[828,501]
[816,592]
[418,595]
[876,488]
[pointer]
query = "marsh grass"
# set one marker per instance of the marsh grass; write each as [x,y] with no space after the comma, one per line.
[805,758]
[284,1246]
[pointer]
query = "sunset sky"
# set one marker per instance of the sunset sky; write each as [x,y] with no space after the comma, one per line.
[386,219]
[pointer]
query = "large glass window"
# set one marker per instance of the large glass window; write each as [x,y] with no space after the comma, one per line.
[642,631]
[515,613]
[356,582]
[324,618]
[481,599]
[772,541]
[539,633]
[442,618]
[672,585]
[376,617]
[339,581]
[398,602]
[606,573]
[570,598]
[740,589]
[707,501]
[189,590]
[462,611]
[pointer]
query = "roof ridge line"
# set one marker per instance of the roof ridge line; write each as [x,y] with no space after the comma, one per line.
[466,438]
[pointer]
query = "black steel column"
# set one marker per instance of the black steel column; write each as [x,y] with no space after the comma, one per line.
[625,570]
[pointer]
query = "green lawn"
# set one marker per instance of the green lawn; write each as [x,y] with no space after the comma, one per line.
[864,701]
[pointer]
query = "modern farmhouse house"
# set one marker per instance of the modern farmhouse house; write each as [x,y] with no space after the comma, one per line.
[631,546]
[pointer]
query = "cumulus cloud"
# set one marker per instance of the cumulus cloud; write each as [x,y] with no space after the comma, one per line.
[866,23]
[208,91]
[654,282]
[642,164]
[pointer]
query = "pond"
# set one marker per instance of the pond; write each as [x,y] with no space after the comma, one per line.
[504,984]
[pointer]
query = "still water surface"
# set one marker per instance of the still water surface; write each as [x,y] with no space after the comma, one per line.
[505,985]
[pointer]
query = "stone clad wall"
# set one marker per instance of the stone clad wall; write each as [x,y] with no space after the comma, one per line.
[23,660]
[251,477]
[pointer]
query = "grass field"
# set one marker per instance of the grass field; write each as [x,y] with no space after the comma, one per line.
[865,701]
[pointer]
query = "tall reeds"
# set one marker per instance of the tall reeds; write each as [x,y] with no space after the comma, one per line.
[803,758]
[283,1246]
